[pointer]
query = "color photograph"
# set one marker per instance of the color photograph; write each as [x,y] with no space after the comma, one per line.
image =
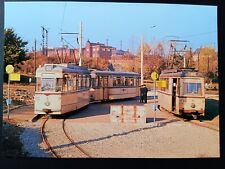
[110,80]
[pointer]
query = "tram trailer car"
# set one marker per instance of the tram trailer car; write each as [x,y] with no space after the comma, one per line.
[184,94]
[61,88]
[110,85]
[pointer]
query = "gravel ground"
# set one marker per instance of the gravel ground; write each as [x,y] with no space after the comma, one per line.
[32,141]
[91,129]
[170,140]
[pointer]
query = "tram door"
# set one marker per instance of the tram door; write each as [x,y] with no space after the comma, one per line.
[105,88]
[174,94]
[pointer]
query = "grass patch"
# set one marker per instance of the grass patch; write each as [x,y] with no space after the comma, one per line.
[12,147]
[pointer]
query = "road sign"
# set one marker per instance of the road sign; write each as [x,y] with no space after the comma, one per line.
[14,76]
[154,106]
[154,75]
[161,83]
[8,101]
[9,69]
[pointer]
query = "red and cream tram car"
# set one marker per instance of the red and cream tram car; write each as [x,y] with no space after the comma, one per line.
[110,85]
[184,93]
[61,88]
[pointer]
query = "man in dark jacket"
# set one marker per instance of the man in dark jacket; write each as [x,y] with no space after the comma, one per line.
[141,94]
[145,91]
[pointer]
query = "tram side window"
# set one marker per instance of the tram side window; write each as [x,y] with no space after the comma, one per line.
[192,88]
[70,84]
[114,81]
[94,82]
[127,81]
[131,81]
[59,84]
[100,81]
[118,81]
[80,79]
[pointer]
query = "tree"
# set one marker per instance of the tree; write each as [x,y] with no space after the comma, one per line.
[14,48]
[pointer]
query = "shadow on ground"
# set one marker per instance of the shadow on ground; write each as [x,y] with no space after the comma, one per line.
[211,109]
[100,108]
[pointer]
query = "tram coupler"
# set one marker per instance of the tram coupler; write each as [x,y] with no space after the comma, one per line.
[36,117]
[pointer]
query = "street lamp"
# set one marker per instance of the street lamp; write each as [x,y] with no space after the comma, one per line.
[142,57]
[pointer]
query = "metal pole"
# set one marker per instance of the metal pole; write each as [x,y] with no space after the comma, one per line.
[35,45]
[142,78]
[8,96]
[46,50]
[154,101]
[80,52]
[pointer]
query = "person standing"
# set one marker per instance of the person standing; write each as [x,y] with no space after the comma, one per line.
[145,91]
[141,94]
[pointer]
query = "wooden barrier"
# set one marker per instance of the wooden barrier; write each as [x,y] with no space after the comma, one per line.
[127,114]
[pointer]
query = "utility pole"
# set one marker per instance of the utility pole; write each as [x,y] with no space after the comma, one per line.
[46,42]
[199,57]
[142,59]
[43,40]
[107,40]
[80,52]
[35,50]
[121,42]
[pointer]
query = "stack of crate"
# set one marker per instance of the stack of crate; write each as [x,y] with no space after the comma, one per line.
[128,113]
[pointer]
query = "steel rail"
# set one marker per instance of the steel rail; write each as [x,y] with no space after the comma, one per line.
[205,125]
[46,140]
[72,141]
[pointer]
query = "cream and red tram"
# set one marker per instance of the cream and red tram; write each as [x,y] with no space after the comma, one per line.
[110,85]
[61,88]
[184,92]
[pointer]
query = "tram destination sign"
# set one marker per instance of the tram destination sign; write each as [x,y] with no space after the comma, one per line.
[161,83]
[14,77]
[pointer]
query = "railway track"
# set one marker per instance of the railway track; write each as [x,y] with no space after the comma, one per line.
[195,122]
[50,147]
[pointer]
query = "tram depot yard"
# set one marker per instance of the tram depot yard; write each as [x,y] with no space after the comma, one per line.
[92,129]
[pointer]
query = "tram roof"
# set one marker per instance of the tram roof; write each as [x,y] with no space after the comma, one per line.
[61,68]
[98,72]
[184,72]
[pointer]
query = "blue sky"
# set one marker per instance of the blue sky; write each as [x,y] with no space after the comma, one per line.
[113,21]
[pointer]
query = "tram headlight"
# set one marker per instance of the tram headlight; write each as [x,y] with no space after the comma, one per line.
[47,103]
[192,105]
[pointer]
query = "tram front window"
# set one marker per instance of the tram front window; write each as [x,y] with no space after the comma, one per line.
[193,88]
[48,84]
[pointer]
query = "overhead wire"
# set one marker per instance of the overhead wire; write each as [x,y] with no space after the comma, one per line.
[199,34]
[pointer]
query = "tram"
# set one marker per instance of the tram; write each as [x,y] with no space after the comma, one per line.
[110,85]
[61,88]
[184,93]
